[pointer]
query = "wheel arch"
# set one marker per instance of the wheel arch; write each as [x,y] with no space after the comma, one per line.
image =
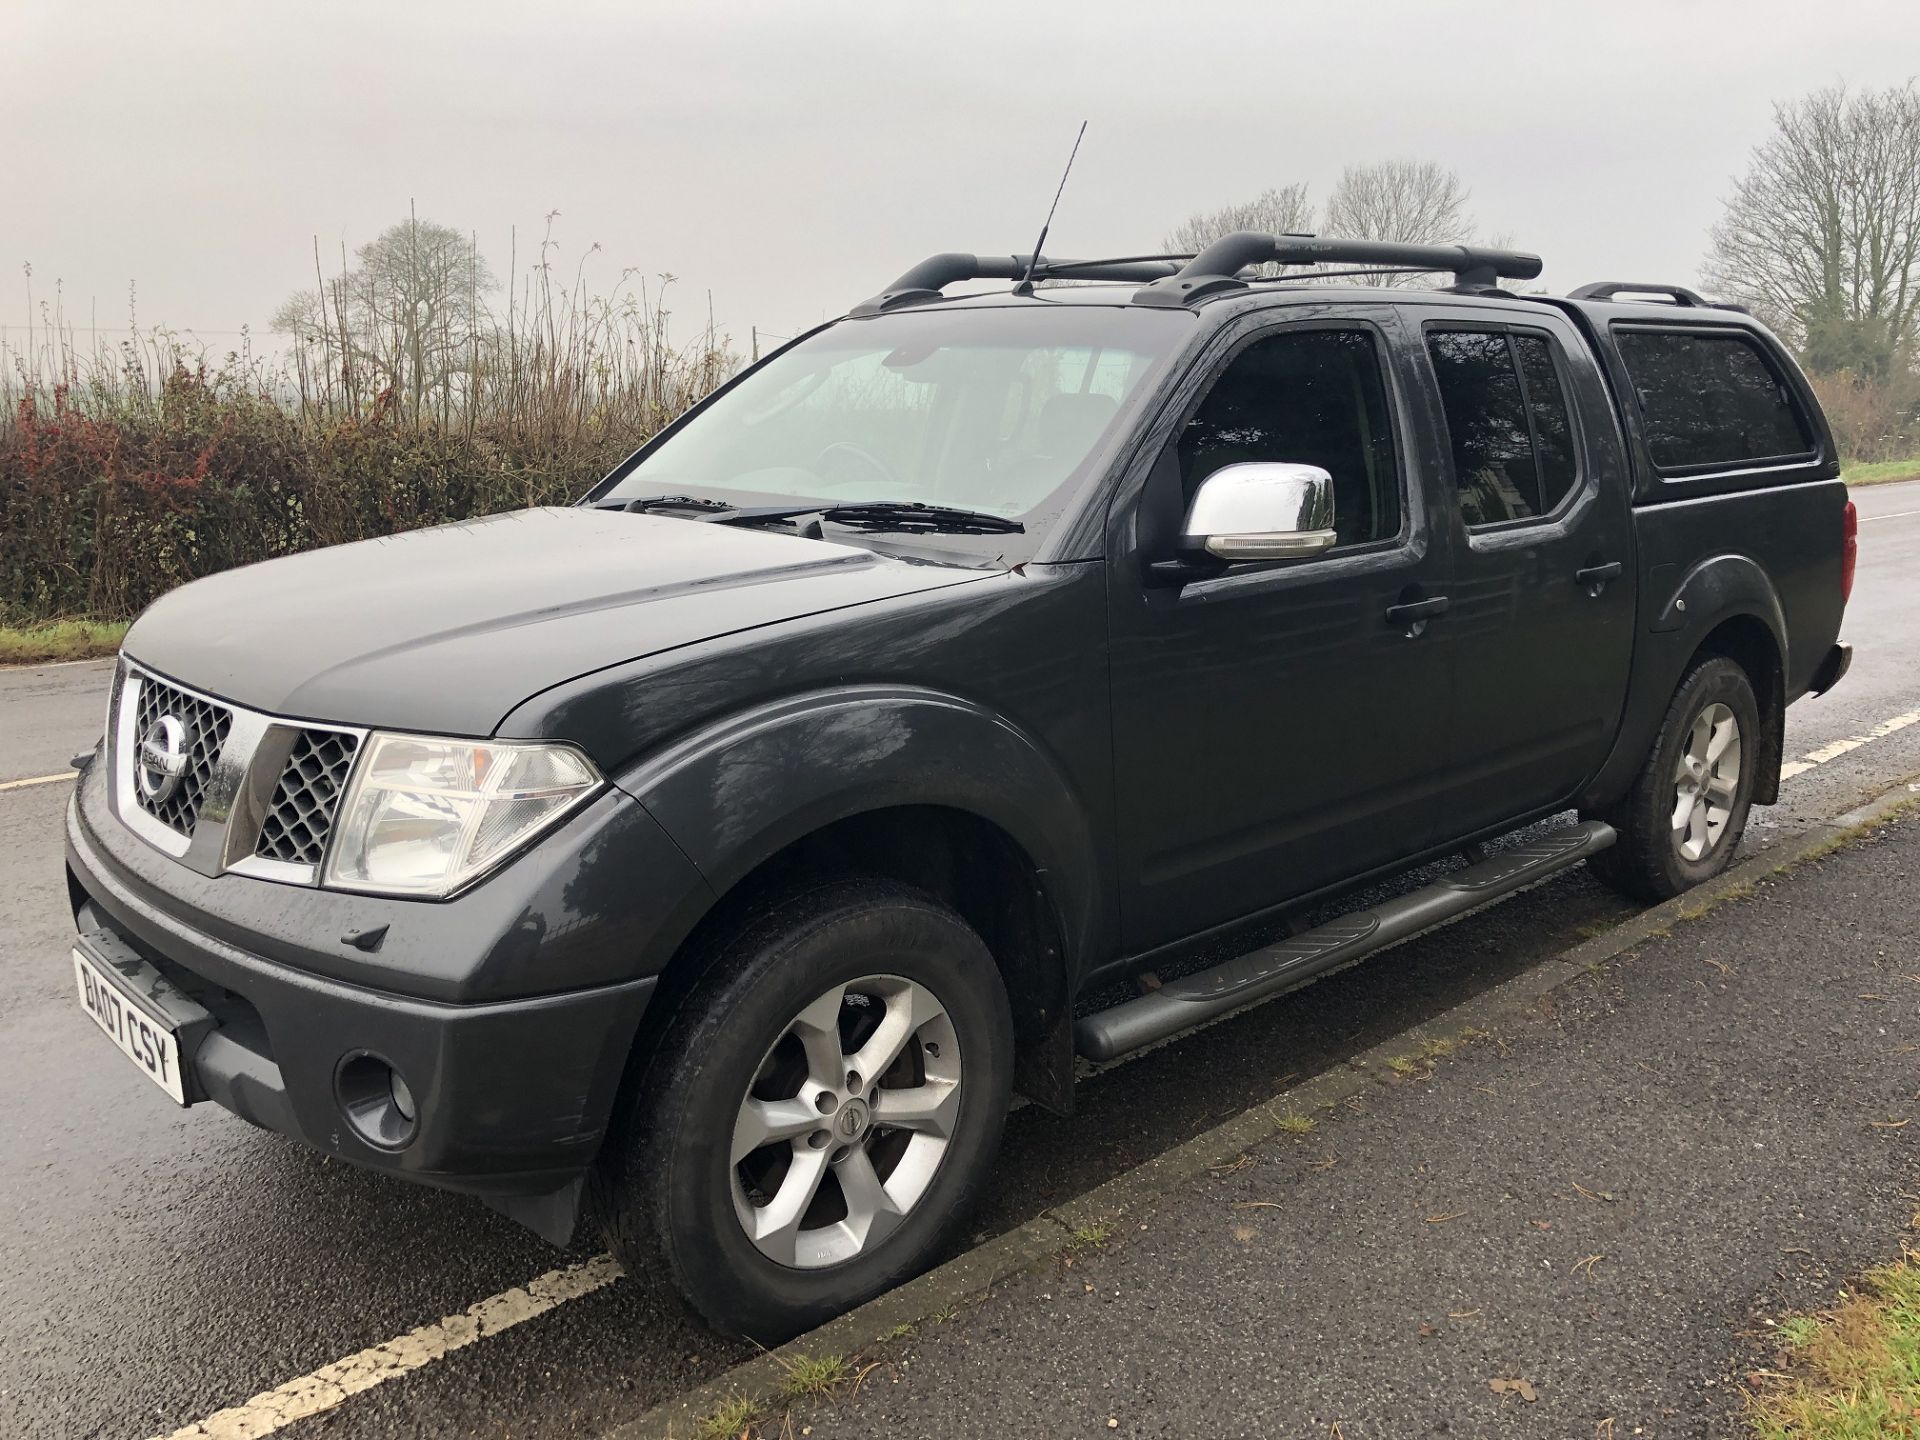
[1723,605]
[911,784]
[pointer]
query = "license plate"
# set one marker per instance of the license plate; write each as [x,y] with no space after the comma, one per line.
[150,1043]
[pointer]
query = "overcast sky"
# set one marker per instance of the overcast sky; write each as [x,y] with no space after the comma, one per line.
[791,156]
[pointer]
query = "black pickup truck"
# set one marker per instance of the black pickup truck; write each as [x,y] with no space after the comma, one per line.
[710,861]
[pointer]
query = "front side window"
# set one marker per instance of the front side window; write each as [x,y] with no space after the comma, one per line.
[1507,423]
[1309,397]
[990,409]
[1710,401]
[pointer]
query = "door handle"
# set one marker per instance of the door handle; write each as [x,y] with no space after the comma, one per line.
[1414,614]
[1595,577]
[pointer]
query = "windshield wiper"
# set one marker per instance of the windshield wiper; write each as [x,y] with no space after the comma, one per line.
[908,516]
[914,515]
[645,503]
[759,514]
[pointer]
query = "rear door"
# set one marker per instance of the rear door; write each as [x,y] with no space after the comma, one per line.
[1539,630]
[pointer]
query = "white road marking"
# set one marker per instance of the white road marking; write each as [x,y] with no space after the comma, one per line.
[332,1384]
[113,659]
[38,780]
[1841,747]
[1896,515]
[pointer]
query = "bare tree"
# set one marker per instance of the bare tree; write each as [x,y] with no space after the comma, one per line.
[412,308]
[1280,210]
[1415,202]
[1822,234]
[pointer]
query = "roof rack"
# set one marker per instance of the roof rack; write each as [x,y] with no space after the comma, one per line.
[925,280]
[1176,280]
[1678,294]
[1217,268]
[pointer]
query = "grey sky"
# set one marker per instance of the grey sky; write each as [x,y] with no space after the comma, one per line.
[792,157]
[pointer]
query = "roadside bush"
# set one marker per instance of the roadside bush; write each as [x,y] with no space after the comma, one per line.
[129,468]
[114,489]
[1872,420]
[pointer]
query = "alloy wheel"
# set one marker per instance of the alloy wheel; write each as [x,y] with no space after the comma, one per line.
[1706,782]
[846,1121]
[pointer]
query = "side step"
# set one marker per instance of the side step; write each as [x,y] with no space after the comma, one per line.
[1180,1004]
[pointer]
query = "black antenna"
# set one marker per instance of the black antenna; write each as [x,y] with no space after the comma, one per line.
[1025,287]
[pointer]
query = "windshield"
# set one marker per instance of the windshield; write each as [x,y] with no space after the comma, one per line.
[990,410]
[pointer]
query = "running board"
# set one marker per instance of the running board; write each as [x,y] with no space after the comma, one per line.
[1181,1004]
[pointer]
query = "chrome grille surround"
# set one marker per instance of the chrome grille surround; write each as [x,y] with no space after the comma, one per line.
[234,786]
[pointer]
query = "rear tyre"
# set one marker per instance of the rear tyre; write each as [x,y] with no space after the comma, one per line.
[821,1112]
[1682,820]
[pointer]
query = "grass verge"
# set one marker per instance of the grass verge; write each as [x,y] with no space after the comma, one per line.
[813,1375]
[734,1418]
[1883,472]
[1853,1372]
[62,640]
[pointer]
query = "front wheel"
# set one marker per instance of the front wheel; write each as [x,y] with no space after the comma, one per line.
[1682,820]
[822,1110]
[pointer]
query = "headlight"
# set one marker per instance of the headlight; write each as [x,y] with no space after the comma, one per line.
[425,816]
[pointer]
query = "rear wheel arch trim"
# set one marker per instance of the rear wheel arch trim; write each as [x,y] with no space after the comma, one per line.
[1719,591]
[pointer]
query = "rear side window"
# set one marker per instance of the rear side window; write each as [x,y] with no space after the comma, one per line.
[1311,397]
[1507,423]
[1710,401]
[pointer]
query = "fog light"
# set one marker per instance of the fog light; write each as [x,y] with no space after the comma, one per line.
[377,1102]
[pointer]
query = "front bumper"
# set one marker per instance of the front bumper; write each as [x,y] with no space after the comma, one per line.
[513,1095]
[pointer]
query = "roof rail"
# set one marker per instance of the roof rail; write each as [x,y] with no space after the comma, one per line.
[1607,289]
[925,280]
[1218,267]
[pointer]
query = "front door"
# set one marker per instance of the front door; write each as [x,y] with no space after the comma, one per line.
[1274,730]
[1539,629]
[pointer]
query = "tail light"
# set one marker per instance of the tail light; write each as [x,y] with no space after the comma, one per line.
[1849,551]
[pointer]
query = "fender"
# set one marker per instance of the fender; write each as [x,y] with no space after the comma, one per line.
[1716,590]
[740,790]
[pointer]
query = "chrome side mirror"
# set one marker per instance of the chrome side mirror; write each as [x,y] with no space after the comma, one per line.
[1261,510]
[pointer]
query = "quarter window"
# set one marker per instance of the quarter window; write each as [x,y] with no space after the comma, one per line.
[1507,423]
[1552,430]
[1310,397]
[1710,401]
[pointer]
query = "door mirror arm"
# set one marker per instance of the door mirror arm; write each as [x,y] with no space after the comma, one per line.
[1184,569]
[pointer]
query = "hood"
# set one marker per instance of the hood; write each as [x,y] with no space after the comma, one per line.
[448,629]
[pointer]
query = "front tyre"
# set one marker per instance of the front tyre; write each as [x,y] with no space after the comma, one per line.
[821,1112]
[1682,820]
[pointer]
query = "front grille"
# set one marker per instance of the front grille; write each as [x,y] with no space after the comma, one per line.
[206,726]
[301,812]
